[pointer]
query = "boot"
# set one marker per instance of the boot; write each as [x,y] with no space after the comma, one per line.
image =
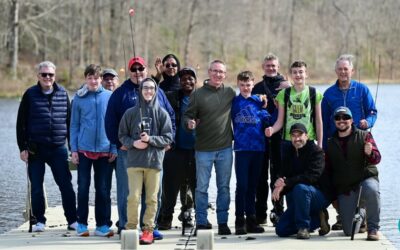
[165,223]
[252,226]
[240,225]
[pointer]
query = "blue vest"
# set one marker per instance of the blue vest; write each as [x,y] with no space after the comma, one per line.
[47,122]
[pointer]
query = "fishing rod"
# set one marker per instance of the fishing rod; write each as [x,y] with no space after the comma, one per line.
[379,75]
[131,14]
[29,213]
[123,47]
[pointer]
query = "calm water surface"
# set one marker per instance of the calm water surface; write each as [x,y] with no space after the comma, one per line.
[13,172]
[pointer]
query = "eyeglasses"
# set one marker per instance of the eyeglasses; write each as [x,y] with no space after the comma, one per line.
[171,65]
[215,71]
[146,88]
[342,117]
[44,75]
[138,69]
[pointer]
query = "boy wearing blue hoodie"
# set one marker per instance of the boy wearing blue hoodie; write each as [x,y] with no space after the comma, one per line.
[90,147]
[249,118]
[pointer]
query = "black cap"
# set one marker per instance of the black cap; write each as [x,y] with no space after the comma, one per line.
[187,70]
[298,127]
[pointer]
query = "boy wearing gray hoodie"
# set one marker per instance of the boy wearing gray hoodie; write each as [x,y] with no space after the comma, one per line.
[145,130]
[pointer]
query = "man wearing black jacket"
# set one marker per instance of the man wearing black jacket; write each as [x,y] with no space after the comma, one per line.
[270,85]
[306,185]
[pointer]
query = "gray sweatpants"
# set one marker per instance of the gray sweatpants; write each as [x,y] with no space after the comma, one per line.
[370,206]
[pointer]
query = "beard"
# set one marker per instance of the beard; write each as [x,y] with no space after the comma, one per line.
[344,129]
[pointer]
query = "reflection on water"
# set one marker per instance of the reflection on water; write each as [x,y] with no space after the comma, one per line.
[13,172]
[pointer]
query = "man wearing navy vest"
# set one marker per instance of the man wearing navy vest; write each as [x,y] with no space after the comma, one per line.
[42,130]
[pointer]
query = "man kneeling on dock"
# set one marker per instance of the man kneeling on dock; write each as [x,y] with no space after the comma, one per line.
[306,186]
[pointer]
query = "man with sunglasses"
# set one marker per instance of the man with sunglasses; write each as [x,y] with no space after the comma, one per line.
[353,155]
[42,130]
[124,97]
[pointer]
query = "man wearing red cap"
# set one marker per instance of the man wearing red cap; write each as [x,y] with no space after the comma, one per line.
[124,97]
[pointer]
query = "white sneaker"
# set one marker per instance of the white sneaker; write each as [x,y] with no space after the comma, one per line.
[39,227]
[73,226]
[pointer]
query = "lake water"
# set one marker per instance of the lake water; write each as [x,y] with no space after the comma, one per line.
[13,172]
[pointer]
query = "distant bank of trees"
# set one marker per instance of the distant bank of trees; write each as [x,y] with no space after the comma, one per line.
[74,33]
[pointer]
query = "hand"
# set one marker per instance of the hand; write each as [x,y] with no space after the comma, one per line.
[144,137]
[276,193]
[112,157]
[75,158]
[363,124]
[191,124]
[139,144]
[123,148]
[268,132]
[280,182]
[265,100]
[283,85]
[368,148]
[168,147]
[158,65]
[24,155]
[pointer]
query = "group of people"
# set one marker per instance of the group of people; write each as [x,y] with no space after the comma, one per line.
[164,137]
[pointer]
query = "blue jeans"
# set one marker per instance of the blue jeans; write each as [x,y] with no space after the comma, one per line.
[112,166]
[56,158]
[248,166]
[304,203]
[121,176]
[222,159]
[101,169]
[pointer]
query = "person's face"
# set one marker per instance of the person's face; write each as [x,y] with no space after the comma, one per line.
[217,74]
[245,87]
[299,139]
[148,90]
[138,73]
[299,75]
[343,122]
[93,82]
[270,68]
[110,82]
[46,77]
[188,83]
[170,67]
[344,71]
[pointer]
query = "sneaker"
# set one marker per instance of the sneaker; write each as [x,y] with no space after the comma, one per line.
[157,235]
[73,226]
[39,227]
[324,225]
[338,225]
[373,235]
[146,238]
[223,229]
[82,230]
[363,228]
[104,231]
[303,234]
[274,218]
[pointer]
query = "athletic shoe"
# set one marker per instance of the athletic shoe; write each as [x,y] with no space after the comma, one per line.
[146,238]
[157,235]
[303,234]
[39,227]
[82,230]
[324,225]
[373,235]
[104,231]
[73,226]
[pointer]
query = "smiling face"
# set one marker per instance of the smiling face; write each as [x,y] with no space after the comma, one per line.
[217,74]
[93,82]
[298,138]
[110,82]
[170,67]
[271,67]
[344,71]
[343,122]
[245,87]
[148,90]
[138,73]
[299,75]
[46,77]
[188,83]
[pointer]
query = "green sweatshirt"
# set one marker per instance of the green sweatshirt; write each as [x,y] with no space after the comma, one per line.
[211,108]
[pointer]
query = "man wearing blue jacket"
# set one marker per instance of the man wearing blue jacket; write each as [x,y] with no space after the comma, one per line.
[351,94]
[124,97]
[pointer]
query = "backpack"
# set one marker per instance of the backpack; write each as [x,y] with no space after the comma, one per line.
[313,101]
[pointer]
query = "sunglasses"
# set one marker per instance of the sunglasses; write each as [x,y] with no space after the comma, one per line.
[139,69]
[44,75]
[342,117]
[171,65]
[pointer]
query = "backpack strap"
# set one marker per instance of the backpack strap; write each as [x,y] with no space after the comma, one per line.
[313,101]
[285,100]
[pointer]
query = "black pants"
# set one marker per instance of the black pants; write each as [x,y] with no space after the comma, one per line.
[179,168]
[273,163]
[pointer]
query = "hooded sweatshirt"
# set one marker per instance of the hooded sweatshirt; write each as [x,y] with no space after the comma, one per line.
[151,118]
[171,83]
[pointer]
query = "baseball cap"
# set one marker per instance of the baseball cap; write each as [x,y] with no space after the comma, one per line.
[137,59]
[187,70]
[342,111]
[298,127]
[109,72]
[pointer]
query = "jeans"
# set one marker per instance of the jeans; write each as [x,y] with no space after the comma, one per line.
[304,203]
[112,166]
[121,176]
[247,166]
[222,159]
[56,158]
[102,201]
[370,202]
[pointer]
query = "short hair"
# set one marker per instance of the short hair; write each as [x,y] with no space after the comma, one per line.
[216,61]
[245,76]
[298,64]
[270,56]
[345,57]
[92,69]
[45,64]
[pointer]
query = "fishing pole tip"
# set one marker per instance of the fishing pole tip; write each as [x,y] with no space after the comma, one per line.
[131,12]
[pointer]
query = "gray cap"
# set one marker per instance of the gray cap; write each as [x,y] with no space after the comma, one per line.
[187,70]
[109,72]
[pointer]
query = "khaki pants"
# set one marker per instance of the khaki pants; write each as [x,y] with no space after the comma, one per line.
[151,180]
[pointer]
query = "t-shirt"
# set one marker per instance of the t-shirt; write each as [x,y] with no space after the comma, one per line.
[298,110]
